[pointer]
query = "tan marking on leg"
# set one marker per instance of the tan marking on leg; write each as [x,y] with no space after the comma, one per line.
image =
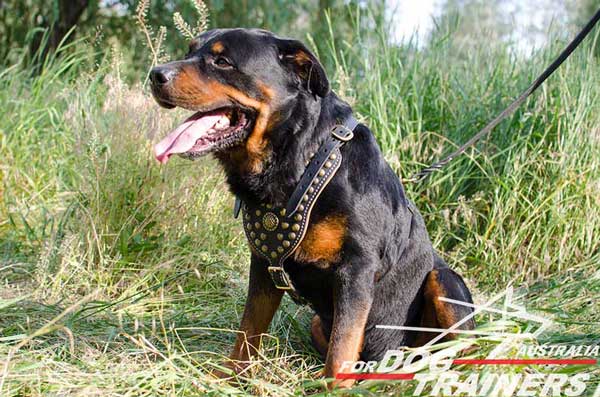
[436,314]
[258,314]
[319,340]
[345,344]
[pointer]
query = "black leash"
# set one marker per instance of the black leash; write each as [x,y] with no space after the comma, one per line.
[425,172]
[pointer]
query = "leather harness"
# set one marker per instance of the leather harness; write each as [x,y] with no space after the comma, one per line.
[276,232]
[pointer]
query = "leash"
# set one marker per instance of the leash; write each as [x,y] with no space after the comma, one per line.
[425,172]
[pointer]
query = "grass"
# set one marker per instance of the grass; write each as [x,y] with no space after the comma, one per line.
[124,278]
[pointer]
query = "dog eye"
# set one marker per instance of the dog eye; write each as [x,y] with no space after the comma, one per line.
[223,63]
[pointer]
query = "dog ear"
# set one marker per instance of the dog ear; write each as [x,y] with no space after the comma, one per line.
[294,55]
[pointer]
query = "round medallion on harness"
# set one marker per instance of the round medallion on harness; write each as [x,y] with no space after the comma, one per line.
[270,221]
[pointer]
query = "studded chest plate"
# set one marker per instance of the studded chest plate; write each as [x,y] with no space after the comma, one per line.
[272,232]
[275,232]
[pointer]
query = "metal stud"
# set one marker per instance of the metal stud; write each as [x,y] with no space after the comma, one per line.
[264,248]
[257,225]
[298,217]
[279,236]
[269,206]
[258,212]
[280,250]
[316,181]
[252,234]
[295,227]
[312,155]
[333,156]
[270,221]
[249,226]
[311,190]
[322,173]
[305,198]
[257,242]
[282,212]
[292,236]
[285,225]
[328,164]
[247,217]
[273,254]
[286,243]
[301,207]
[263,236]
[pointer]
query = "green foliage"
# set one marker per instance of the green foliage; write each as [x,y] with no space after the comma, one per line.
[25,26]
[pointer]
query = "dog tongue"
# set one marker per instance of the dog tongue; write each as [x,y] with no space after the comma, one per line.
[184,137]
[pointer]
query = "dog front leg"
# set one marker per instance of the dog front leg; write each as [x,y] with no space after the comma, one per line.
[353,296]
[261,304]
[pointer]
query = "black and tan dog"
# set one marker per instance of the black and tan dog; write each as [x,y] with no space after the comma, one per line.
[360,255]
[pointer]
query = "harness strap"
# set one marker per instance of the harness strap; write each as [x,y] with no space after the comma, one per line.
[275,232]
[340,134]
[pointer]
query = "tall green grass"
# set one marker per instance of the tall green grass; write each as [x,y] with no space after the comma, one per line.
[525,203]
[122,277]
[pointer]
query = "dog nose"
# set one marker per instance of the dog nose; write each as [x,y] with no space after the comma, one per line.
[161,75]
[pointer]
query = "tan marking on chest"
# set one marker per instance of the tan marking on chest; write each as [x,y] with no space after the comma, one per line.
[323,241]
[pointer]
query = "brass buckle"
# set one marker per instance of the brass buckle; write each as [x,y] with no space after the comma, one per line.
[279,274]
[342,133]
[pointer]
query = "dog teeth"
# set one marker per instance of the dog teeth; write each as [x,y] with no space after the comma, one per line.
[222,123]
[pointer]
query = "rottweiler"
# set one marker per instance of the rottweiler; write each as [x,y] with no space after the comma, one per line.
[351,244]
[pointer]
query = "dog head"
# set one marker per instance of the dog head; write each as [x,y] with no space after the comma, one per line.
[241,84]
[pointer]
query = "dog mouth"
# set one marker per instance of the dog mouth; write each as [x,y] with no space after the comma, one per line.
[205,132]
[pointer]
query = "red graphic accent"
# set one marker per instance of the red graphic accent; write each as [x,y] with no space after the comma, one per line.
[357,376]
[533,361]
[464,361]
